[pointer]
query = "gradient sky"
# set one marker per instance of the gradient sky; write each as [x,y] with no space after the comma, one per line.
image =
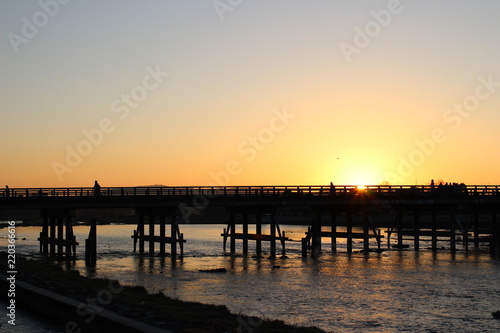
[248,92]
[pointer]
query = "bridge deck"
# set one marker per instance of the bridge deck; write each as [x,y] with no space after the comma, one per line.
[314,190]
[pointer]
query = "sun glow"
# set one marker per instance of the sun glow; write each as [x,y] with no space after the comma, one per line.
[361,187]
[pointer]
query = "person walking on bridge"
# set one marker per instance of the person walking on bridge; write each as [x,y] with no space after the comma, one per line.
[97,189]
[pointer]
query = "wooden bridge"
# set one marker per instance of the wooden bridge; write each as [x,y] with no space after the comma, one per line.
[442,213]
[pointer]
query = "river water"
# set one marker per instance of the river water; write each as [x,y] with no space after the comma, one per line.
[392,291]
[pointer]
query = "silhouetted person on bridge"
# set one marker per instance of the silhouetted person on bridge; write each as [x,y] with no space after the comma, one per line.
[332,189]
[7,191]
[97,189]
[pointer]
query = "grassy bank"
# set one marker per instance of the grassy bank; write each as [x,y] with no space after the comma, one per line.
[136,303]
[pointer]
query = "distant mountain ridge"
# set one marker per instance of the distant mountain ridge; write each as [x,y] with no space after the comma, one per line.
[156,185]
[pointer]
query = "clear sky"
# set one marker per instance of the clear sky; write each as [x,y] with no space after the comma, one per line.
[242,92]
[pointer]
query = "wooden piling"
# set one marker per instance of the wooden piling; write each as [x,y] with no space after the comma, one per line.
[453,242]
[349,232]
[44,246]
[258,231]
[306,242]
[52,235]
[316,234]
[151,234]
[69,236]
[333,229]
[140,233]
[245,233]
[495,234]
[56,237]
[399,224]
[162,234]
[173,236]
[416,227]
[91,244]
[232,231]
[366,233]
[434,230]
[273,235]
[60,235]
[476,228]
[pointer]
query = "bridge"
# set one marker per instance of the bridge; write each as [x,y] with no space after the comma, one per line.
[454,212]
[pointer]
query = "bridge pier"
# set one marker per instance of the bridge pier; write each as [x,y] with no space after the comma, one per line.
[333,228]
[274,231]
[416,228]
[349,232]
[476,228]
[176,236]
[453,239]
[433,230]
[91,244]
[315,233]
[495,234]
[57,236]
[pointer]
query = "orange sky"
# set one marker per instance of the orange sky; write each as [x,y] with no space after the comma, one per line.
[287,93]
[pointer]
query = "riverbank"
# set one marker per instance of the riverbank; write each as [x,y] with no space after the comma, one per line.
[93,296]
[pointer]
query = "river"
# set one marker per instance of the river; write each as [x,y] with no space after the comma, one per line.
[392,291]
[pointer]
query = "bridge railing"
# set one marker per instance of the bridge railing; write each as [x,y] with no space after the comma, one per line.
[210,191]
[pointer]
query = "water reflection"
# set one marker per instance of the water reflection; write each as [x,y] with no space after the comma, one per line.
[396,290]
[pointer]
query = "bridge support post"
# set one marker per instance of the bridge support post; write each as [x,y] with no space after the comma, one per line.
[349,232]
[151,234]
[434,230]
[476,228]
[91,244]
[162,234]
[258,231]
[495,234]
[273,235]
[60,235]
[245,233]
[416,227]
[44,246]
[140,233]
[57,233]
[173,236]
[70,238]
[366,233]
[453,241]
[400,230]
[162,239]
[274,230]
[333,229]
[52,232]
[316,234]
[232,232]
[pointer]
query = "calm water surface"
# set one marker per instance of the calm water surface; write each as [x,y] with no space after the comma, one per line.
[395,291]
